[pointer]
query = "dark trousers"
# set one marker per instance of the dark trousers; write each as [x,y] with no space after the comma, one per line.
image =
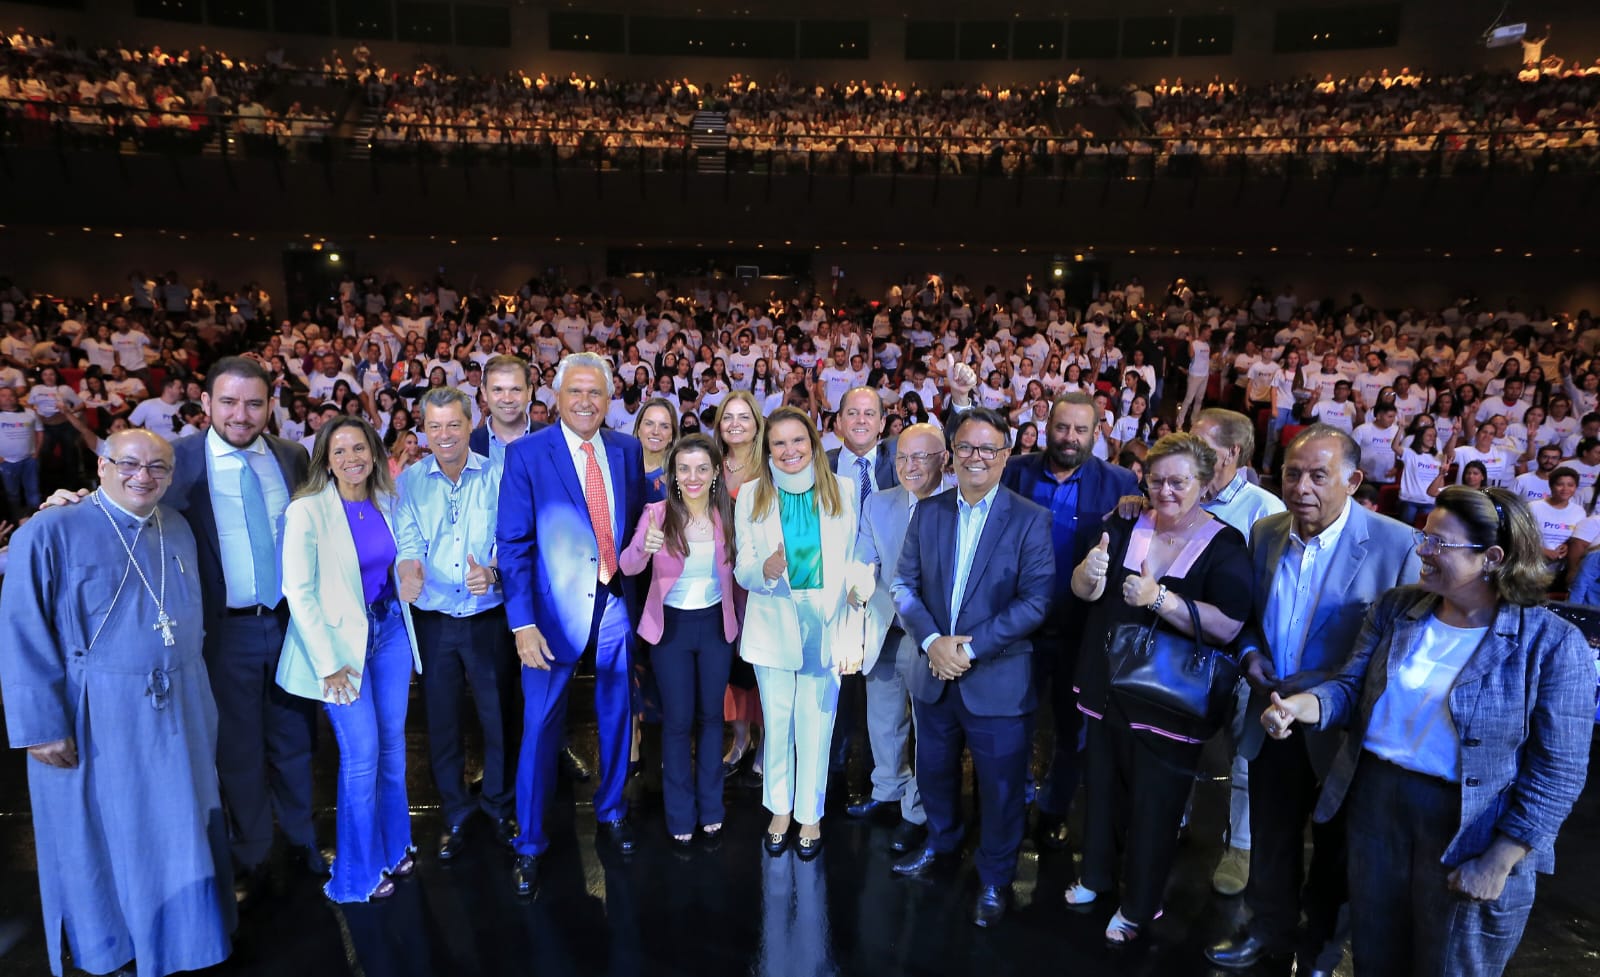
[691,667]
[544,706]
[265,737]
[1278,816]
[461,653]
[1066,755]
[1404,920]
[999,747]
[1138,785]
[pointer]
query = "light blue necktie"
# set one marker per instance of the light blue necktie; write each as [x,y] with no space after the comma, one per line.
[966,546]
[263,550]
[865,489]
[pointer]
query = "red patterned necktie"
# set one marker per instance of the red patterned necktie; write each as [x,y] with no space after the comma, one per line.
[594,490]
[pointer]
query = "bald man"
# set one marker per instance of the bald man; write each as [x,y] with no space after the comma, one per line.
[103,605]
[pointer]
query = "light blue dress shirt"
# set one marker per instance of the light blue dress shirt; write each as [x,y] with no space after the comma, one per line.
[1295,588]
[439,522]
[223,464]
[1240,504]
[970,520]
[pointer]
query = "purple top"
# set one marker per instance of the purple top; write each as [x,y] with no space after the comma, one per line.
[374,548]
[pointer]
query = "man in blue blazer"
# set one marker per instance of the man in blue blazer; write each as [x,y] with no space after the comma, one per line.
[974,582]
[569,499]
[265,736]
[1079,490]
[1317,569]
[508,391]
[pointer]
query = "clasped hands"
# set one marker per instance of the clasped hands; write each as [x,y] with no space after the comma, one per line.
[947,656]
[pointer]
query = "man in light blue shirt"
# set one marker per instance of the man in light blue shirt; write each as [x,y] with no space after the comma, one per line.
[1237,502]
[444,533]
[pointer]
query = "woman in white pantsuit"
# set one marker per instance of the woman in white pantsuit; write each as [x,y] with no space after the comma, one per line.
[796,536]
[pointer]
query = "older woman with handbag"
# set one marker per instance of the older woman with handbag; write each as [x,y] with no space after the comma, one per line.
[1173,564]
[796,533]
[1470,710]
[350,644]
[691,619]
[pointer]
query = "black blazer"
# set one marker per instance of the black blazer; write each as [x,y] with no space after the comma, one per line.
[190,494]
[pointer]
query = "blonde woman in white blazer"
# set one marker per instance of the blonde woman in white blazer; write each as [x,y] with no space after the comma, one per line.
[796,535]
[350,645]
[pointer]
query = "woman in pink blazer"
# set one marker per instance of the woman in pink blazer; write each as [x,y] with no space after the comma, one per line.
[691,617]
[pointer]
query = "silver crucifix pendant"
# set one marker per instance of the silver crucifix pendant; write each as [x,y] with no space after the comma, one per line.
[165,624]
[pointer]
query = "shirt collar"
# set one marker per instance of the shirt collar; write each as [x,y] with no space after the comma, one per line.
[431,465]
[220,448]
[1326,539]
[871,457]
[1233,488]
[575,443]
[983,505]
[527,427]
[112,504]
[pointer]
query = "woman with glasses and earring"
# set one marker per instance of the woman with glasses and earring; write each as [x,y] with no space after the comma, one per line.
[796,531]
[1138,772]
[689,618]
[350,644]
[1469,708]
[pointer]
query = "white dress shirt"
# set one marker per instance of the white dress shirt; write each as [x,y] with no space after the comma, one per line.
[580,462]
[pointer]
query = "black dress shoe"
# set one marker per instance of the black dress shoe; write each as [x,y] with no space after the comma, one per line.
[1051,833]
[249,885]
[868,807]
[907,836]
[506,831]
[991,905]
[573,767]
[452,841]
[808,848]
[775,844]
[619,833]
[525,875]
[1241,952]
[917,864]
[309,859]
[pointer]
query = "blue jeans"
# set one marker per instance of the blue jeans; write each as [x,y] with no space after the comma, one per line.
[20,480]
[374,819]
[691,665]
[1280,420]
[1409,511]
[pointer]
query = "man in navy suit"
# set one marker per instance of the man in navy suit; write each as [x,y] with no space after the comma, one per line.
[1318,568]
[866,465]
[974,583]
[265,736]
[1078,489]
[569,498]
[508,390]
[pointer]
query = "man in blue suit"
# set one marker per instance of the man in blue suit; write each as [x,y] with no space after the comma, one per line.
[1317,568]
[232,486]
[569,498]
[1078,489]
[974,582]
[507,390]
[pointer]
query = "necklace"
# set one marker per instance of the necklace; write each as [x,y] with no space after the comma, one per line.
[1171,535]
[164,624]
[359,506]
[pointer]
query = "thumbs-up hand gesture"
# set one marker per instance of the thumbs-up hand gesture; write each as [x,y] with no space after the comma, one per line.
[479,578]
[653,537]
[1098,562]
[776,564]
[1280,717]
[410,580]
[1141,589]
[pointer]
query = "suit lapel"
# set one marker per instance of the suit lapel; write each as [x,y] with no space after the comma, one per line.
[1493,648]
[200,503]
[561,464]
[1274,550]
[896,522]
[619,485]
[1348,555]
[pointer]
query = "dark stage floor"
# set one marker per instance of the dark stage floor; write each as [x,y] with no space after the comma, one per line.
[731,910]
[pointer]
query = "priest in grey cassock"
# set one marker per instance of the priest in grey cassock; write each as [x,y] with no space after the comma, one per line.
[104,686]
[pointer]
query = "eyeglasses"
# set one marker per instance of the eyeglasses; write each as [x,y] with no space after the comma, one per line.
[1429,544]
[984,451]
[128,467]
[918,459]
[1178,485]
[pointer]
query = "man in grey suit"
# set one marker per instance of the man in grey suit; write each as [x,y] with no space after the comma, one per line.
[1317,568]
[919,457]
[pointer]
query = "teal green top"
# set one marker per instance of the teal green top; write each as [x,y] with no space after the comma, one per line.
[802,538]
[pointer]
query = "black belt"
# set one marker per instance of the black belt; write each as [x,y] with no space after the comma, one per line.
[254,610]
[497,609]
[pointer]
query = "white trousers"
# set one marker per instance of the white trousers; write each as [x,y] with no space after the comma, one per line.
[797,709]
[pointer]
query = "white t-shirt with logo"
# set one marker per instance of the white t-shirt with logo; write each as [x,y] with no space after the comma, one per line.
[1555,525]
[18,435]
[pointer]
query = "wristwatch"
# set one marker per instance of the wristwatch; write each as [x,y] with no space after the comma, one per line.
[495,573]
[1161,598]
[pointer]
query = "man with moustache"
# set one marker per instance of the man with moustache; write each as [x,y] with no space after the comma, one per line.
[1079,490]
[891,657]
[1317,568]
[102,607]
[444,527]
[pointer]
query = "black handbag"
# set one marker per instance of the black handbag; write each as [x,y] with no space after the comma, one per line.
[1172,680]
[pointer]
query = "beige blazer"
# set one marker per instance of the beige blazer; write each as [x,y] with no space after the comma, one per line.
[327,607]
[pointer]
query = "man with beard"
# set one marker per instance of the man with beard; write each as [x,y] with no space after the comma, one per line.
[1078,489]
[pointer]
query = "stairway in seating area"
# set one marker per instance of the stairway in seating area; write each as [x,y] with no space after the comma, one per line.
[708,133]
